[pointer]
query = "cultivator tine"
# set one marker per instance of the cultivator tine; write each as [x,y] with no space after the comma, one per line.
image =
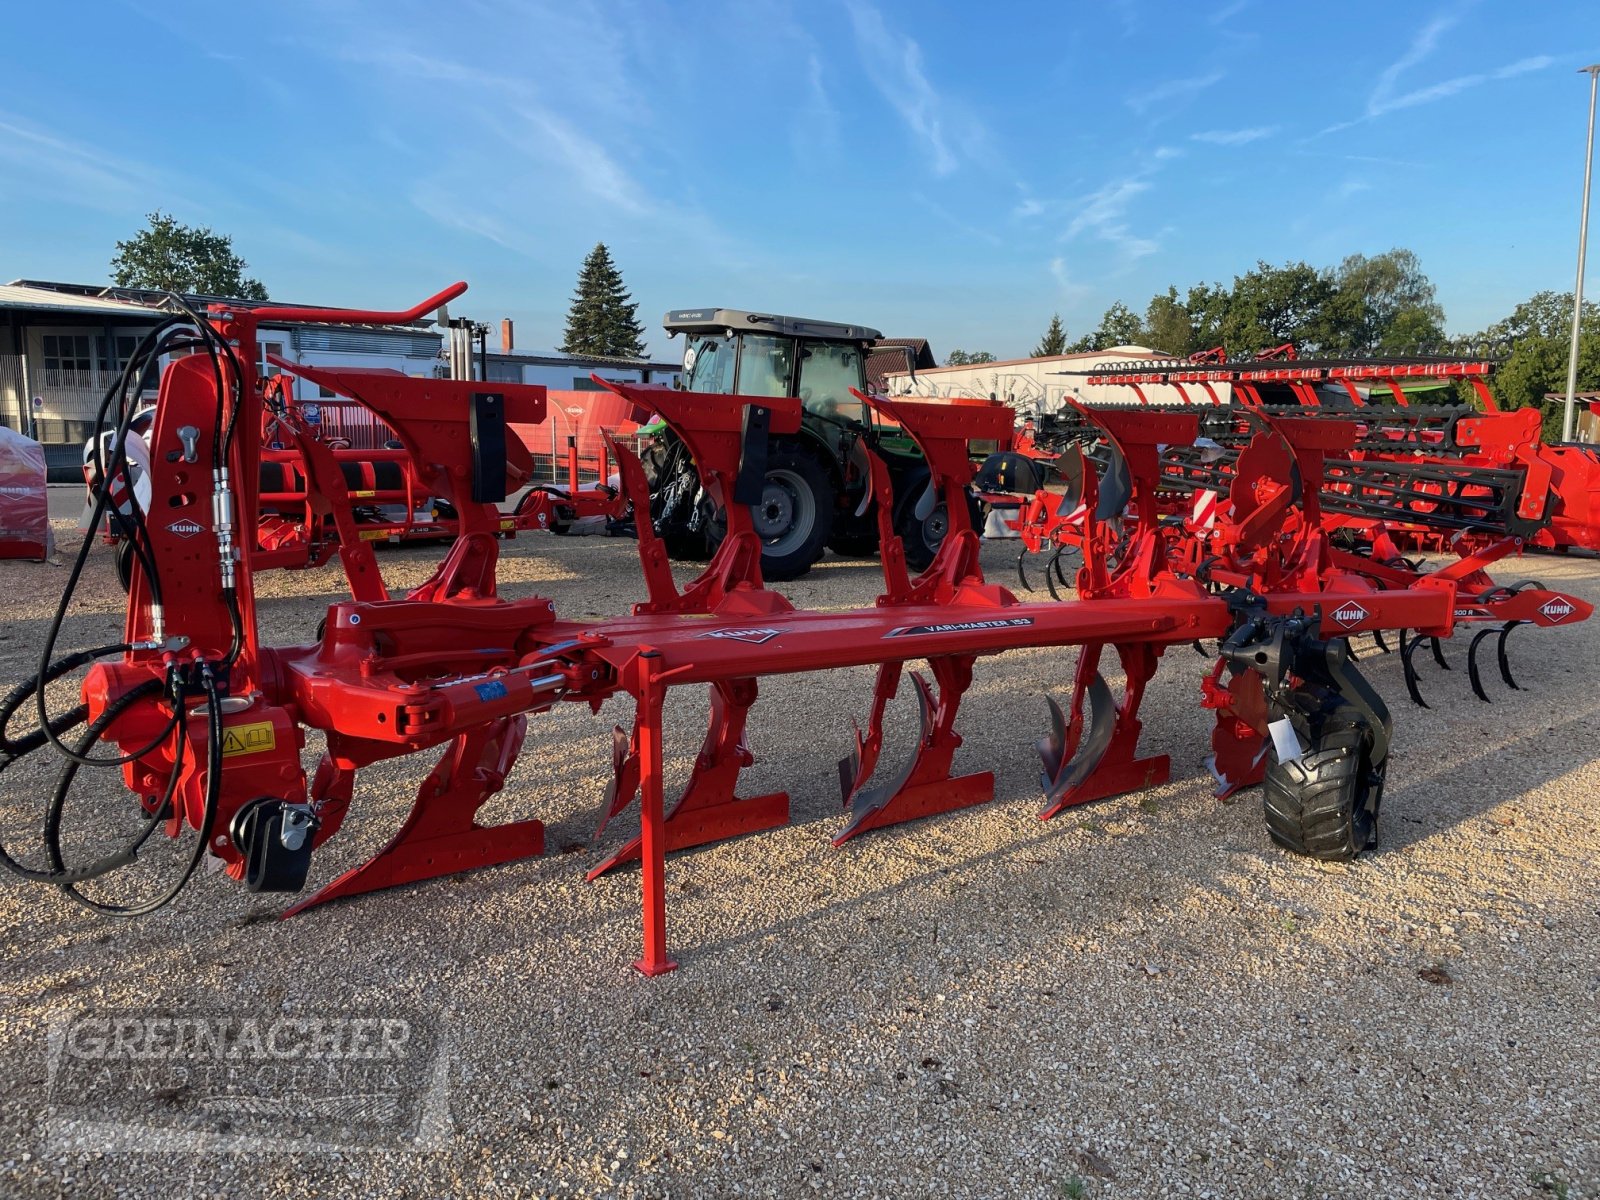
[1408,649]
[1438,654]
[1050,574]
[1022,573]
[1472,662]
[1500,654]
[1383,646]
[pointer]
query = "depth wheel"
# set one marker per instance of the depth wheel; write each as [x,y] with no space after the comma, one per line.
[1325,805]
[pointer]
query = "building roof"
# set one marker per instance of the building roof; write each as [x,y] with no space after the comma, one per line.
[1097,355]
[23,294]
[581,360]
[887,357]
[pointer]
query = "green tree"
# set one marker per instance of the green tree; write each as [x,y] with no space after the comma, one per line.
[1539,332]
[603,318]
[1273,305]
[1054,340]
[1383,303]
[961,358]
[1120,326]
[1168,325]
[182,258]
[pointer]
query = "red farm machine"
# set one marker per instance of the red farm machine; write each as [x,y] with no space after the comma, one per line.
[206,724]
[334,474]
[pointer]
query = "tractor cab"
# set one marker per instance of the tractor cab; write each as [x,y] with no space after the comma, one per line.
[817,479]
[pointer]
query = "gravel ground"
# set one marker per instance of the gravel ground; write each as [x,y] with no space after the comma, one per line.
[1143,997]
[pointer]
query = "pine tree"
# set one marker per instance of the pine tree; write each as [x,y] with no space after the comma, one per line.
[1054,341]
[603,318]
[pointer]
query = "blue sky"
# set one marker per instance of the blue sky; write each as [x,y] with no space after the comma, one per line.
[954,171]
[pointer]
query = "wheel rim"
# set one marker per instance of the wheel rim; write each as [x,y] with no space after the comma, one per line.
[786,514]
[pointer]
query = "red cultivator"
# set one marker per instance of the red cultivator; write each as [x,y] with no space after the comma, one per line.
[208,722]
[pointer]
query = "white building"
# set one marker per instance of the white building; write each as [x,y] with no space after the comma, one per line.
[1041,384]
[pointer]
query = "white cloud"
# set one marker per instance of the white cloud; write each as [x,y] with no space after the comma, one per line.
[1387,95]
[1104,216]
[1173,91]
[1234,137]
[895,67]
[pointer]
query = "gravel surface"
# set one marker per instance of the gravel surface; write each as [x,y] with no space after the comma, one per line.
[1142,997]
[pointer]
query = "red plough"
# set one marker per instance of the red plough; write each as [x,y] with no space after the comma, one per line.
[209,722]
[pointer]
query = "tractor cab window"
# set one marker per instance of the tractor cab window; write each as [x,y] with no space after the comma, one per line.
[828,370]
[708,365]
[766,365]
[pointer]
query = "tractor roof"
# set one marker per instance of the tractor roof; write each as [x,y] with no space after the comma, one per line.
[712,320]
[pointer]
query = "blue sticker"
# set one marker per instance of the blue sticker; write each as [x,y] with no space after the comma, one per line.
[493,690]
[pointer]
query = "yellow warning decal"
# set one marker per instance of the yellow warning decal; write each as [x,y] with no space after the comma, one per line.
[508,523]
[248,739]
[374,535]
[361,495]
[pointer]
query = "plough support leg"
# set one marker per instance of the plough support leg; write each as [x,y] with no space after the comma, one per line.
[652,833]
[708,810]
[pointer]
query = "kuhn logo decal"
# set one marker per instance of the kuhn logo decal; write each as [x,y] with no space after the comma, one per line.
[1348,614]
[1558,608]
[960,626]
[754,636]
[186,528]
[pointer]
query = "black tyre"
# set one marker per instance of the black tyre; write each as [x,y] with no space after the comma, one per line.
[795,515]
[1325,805]
[855,544]
[923,538]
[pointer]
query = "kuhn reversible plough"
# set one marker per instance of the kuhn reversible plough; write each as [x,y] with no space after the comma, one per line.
[208,723]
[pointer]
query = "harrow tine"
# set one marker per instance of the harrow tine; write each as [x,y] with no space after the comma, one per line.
[1022,573]
[1055,562]
[1472,662]
[1438,654]
[1350,647]
[1408,649]
[1500,653]
[1383,646]
[1050,572]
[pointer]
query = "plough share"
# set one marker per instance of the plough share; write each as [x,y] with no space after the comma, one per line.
[207,723]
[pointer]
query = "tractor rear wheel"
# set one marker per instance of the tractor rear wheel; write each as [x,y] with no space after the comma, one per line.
[923,538]
[1323,804]
[795,515]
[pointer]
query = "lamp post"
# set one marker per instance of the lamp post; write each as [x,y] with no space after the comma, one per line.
[1569,419]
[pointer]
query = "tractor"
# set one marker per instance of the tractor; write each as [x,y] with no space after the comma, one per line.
[815,495]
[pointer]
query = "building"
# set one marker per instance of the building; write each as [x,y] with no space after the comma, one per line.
[59,353]
[571,372]
[1039,384]
[62,345]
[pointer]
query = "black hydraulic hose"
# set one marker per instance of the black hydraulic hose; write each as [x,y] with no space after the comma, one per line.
[58,872]
[207,822]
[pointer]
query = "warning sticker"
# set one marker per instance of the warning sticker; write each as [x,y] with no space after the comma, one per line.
[362,495]
[248,739]
[374,535]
